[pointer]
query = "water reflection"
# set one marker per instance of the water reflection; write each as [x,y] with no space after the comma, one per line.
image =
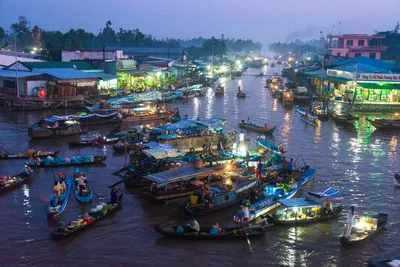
[286,129]
[196,107]
[26,202]
[275,105]
[392,148]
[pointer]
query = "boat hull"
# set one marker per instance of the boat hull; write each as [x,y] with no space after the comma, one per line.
[98,160]
[257,129]
[25,155]
[21,179]
[64,200]
[385,124]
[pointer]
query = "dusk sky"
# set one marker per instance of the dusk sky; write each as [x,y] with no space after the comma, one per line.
[261,20]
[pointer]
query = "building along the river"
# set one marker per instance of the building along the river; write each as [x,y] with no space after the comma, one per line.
[369,84]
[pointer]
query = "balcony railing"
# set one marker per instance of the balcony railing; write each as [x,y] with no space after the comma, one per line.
[367,47]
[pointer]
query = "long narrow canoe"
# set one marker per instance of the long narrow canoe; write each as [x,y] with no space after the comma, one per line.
[344,118]
[385,124]
[382,219]
[267,145]
[25,155]
[383,262]
[256,128]
[94,142]
[70,230]
[15,181]
[303,113]
[81,197]
[227,233]
[309,121]
[53,212]
[42,164]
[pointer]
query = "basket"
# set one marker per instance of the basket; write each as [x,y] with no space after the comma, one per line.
[197,164]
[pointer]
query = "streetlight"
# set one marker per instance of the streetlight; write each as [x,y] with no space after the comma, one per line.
[16,59]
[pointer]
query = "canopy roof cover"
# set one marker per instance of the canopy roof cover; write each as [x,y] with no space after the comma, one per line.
[153,145]
[85,117]
[184,124]
[298,203]
[181,174]
[328,192]
[163,153]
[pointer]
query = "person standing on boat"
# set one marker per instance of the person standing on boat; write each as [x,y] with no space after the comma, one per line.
[246,215]
[82,182]
[234,148]
[290,166]
[220,149]
[259,170]
[241,137]
[350,220]
[114,195]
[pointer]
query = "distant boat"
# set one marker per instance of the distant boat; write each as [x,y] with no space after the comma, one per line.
[344,118]
[385,124]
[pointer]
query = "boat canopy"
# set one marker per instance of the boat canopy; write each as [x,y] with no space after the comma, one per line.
[181,174]
[163,153]
[184,124]
[328,192]
[298,203]
[86,117]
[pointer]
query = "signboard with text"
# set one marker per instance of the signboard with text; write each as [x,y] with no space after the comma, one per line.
[378,77]
[340,73]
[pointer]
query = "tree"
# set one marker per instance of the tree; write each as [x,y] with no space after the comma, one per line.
[23,31]
[392,41]
[2,33]
[216,46]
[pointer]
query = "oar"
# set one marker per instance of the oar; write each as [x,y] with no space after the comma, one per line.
[44,206]
[178,205]
[248,242]
[119,182]
[97,195]
[54,176]
[5,150]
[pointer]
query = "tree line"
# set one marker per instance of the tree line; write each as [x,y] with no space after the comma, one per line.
[81,39]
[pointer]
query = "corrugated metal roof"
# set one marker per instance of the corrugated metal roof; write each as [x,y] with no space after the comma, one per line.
[21,74]
[79,65]
[367,61]
[7,60]
[362,68]
[65,74]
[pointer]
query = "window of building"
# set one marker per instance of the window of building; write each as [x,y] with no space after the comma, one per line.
[361,42]
[338,54]
[349,42]
[372,55]
[357,54]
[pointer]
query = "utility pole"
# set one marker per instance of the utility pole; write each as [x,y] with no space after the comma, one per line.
[16,61]
[212,60]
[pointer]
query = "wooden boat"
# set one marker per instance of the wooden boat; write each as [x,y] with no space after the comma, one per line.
[39,154]
[301,211]
[179,183]
[241,94]
[385,124]
[14,181]
[256,128]
[220,90]
[228,233]
[397,177]
[288,98]
[62,202]
[309,120]
[344,118]
[48,128]
[383,262]
[267,145]
[303,113]
[276,192]
[58,162]
[220,200]
[87,197]
[93,142]
[71,229]
[379,220]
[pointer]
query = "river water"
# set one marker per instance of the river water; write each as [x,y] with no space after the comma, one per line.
[358,160]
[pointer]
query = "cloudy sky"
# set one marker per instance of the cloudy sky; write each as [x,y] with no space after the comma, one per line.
[261,20]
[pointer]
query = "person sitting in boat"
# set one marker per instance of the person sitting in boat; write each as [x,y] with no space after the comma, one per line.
[215,230]
[265,126]
[248,120]
[292,184]
[326,208]
[55,125]
[281,148]
[114,195]
[193,226]
[239,89]
[28,170]
[56,195]
[62,187]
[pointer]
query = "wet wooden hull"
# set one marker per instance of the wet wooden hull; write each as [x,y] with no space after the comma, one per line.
[257,128]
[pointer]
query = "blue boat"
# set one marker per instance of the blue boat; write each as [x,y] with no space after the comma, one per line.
[302,112]
[55,209]
[81,197]
[274,193]
[267,145]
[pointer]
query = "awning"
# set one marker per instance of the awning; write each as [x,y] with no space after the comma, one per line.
[379,85]
[329,192]
[298,203]
[181,174]
[163,153]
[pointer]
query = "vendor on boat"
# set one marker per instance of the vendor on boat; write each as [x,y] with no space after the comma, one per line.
[239,89]
[220,148]
[82,182]
[114,195]
[265,126]
[241,137]
[246,214]
[215,230]
[193,226]
[31,154]
[350,221]
[28,170]
[326,208]
[56,194]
